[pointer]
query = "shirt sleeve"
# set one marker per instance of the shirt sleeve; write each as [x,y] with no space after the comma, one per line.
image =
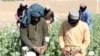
[61,34]
[45,32]
[88,16]
[52,16]
[24,36]
[86,39]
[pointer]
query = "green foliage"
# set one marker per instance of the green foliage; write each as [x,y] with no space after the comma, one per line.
[10,46]
[53,46]
[95,36]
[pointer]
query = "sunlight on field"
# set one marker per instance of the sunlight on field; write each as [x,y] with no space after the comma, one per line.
[60,7]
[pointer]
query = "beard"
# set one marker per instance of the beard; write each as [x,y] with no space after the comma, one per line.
[82,9]
[34,22]
[73,22]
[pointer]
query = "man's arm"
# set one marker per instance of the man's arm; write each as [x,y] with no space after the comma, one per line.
[61,34]
[45,32]
[61,41]
[88,16]
[24,36]
[86,38]
[52,16]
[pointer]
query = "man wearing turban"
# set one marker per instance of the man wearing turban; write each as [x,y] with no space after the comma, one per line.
[34,30]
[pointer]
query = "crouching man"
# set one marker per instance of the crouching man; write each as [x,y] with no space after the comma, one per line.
[34,30]
[74,36]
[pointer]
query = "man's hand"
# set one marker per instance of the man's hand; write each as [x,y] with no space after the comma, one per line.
[40,49]
[37,49]
[65,52]
[43,48]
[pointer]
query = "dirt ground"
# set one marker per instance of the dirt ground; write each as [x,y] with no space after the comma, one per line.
[60,8]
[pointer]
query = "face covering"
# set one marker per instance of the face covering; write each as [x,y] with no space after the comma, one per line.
[72,22]
[83,8]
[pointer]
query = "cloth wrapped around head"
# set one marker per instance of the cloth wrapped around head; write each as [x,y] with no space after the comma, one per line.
[34,10]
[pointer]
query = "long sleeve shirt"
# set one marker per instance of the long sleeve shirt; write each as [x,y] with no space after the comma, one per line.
[74,36]
[34,35]
[86,17]
[49,15]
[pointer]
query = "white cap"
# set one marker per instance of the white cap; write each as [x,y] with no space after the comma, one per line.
[82,5]
[74,14]
[47,7]
[23,3]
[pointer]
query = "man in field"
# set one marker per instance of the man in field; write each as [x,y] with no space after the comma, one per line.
[85,15]
[48,15]
[20,13]
[74,36]
[34,30]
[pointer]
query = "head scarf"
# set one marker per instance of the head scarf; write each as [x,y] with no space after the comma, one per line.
[34,10]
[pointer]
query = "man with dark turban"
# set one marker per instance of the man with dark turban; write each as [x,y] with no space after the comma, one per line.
[34,30]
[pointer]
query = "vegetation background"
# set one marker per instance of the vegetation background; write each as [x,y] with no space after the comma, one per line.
[9,34]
